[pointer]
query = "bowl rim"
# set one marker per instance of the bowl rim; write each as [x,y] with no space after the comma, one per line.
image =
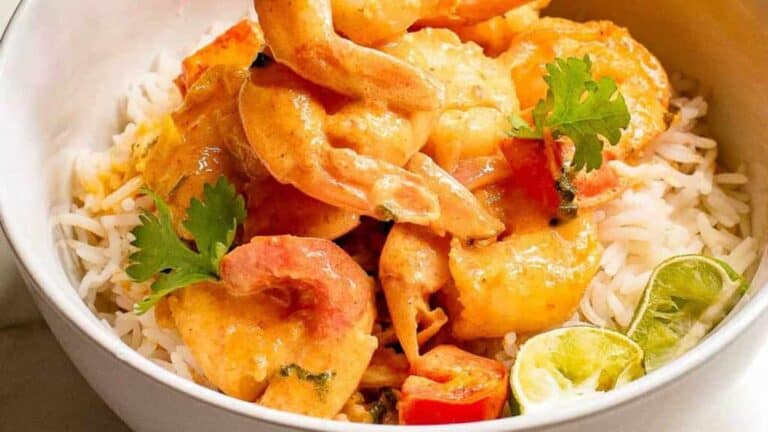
[45,287]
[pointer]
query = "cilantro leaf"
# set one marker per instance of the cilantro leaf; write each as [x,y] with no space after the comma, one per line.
[521,128]
[163,255]
[168,283]
[213,222]
[160,249]
[580,108]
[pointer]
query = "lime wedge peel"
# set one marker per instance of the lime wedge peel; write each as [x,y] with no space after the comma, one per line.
[572,363]
[686,296]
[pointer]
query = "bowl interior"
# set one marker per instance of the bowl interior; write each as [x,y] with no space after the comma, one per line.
[64,70]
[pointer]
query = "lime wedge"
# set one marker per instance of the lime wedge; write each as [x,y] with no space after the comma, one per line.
[685,297]
[560,366]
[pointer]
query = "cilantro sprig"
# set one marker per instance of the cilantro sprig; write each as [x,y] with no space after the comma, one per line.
[580,108]
[162,254]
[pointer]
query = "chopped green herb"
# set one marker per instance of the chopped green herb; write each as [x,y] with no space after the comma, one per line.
[162,254]
[386,403]
[580,108]
[568,208]
[319,380]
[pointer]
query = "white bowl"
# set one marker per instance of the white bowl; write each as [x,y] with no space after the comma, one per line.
[64,65]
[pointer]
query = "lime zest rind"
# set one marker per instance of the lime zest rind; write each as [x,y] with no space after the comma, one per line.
[734,287]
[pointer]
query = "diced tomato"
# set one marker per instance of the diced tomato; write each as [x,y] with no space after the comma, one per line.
[449,385]
[238,46]
[597,182]
[531,171]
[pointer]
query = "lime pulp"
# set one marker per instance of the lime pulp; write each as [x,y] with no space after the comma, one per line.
[562,365]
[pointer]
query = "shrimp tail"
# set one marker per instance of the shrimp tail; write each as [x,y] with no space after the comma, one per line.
[286,125]
[461,213]
[414,265]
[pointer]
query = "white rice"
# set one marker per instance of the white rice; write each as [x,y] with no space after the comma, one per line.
[679,204]
[99,229]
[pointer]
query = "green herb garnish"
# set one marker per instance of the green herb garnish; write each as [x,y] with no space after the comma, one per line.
[568,209]
[319,380]
[386,403]
[162,254]
[580,108]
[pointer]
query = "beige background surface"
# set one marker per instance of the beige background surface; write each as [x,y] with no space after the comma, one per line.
[40,390]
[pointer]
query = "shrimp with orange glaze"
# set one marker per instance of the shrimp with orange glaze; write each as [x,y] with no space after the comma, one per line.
[640,77]
[301,35]
[275,209]
[235,47]
[414,261]
[497,33]
[413,266]
[287,121]
[288,326]
[528,282]
[373,22]
[480,94]
[461,213]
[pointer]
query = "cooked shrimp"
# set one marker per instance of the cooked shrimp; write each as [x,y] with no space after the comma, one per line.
[275,209]
[286,121]
[461,214]
[210,115]
[285,304]
[528,282]
[373,22]
[378,132]
[476,173]
[317,276]
[413,266]
[467,11]
[301,35]
[639,75]
[497,33]
[178,176]
[237,47]
[387,369]
[464,134]
[480,95]
[203,140]
[521,214]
